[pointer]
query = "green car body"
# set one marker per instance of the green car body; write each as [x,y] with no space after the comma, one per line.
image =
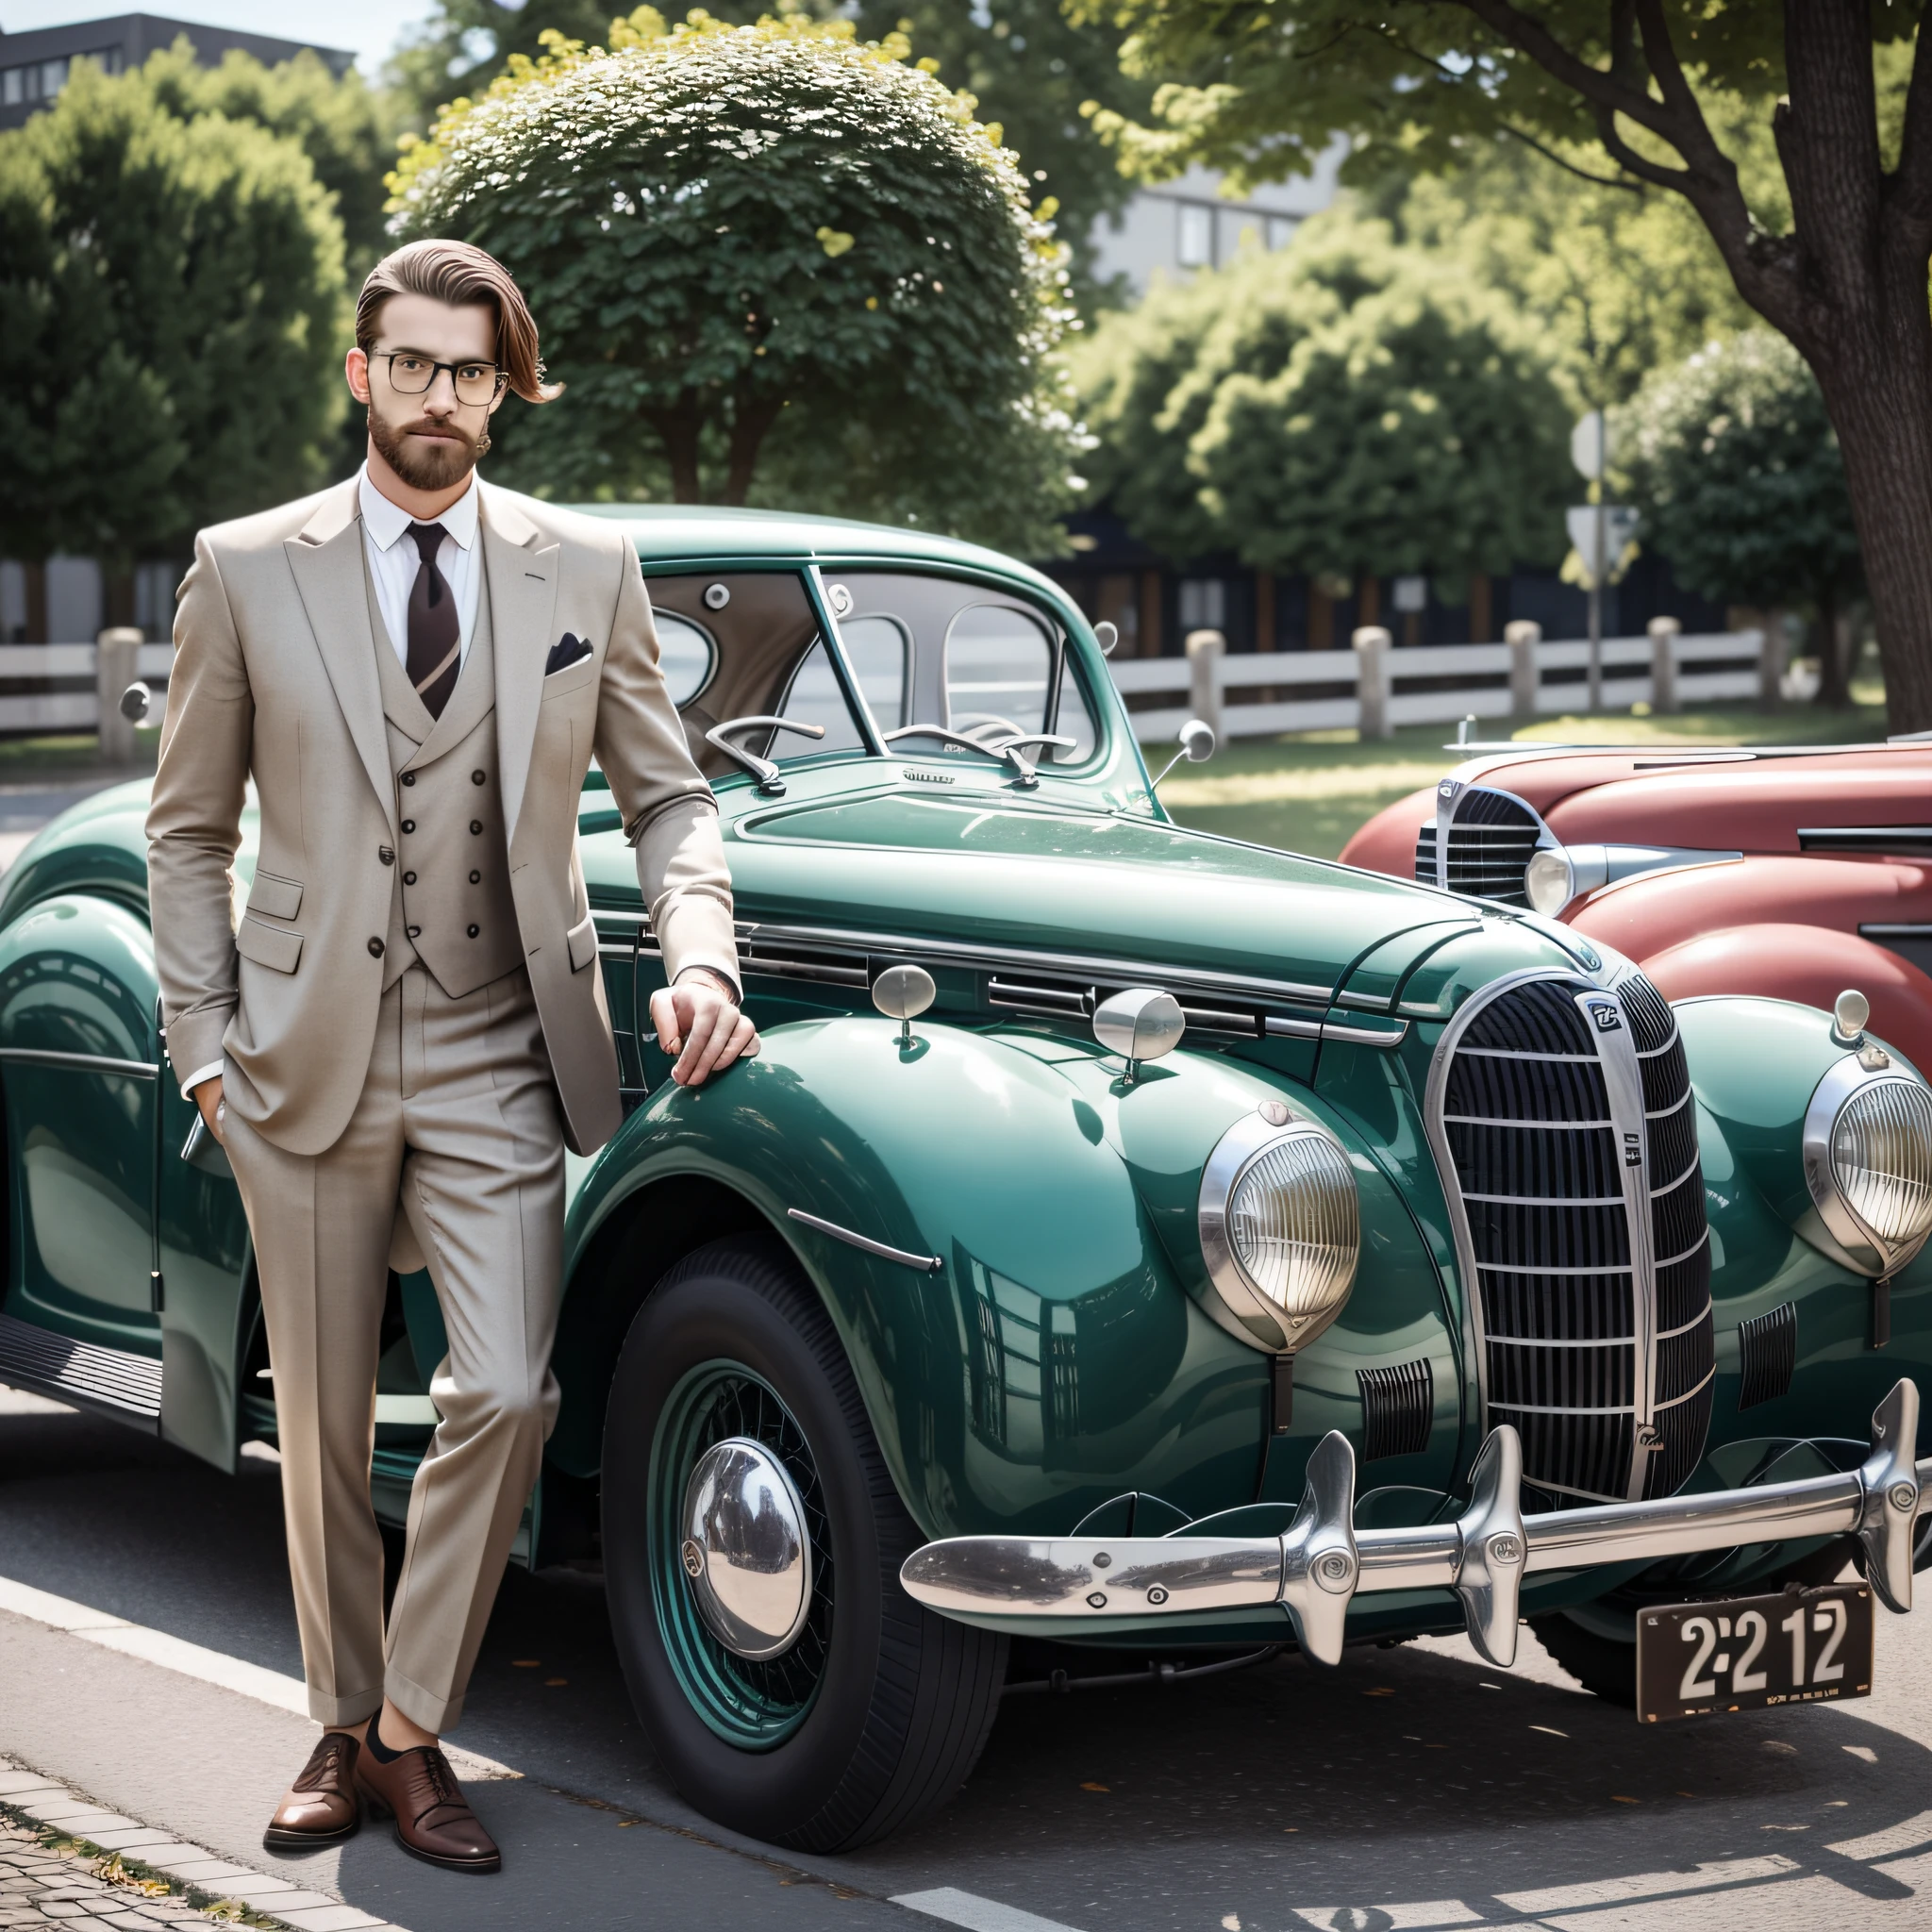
[1046,1341]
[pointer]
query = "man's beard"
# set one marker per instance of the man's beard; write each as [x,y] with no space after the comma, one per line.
[421,466]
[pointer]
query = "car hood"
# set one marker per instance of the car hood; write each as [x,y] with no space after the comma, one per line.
[1049,879]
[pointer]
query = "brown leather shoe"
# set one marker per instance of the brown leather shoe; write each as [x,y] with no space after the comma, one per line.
[321,1806]
[433,1817]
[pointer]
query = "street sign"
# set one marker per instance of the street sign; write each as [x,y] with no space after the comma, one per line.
[1620,528]
[1587,446]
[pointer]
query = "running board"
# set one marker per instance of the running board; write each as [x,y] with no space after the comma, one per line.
[113,1380]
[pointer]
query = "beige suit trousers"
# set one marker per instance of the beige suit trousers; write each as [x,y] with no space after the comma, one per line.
[458,1124]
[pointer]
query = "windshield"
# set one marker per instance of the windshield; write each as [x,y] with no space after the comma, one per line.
[921,649]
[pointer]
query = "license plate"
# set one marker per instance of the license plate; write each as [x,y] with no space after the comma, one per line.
[1748,1653]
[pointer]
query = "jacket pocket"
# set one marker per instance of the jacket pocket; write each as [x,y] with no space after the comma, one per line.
[269,945]
[582,941]
[274,897]
[572,677]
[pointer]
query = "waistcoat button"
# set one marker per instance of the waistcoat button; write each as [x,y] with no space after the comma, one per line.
[409,824]
[476,878]
[476,777]
[475,930]
[409,777]
[409,878]
[415,932]
[376,949]
[475,824]
[383,853]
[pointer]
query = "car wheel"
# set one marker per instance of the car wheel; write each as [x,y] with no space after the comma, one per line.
[873,1710]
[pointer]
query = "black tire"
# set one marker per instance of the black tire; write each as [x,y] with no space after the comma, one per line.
[900,1701]
[1607,1665]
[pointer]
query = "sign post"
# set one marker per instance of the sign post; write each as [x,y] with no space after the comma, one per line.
[1589,451]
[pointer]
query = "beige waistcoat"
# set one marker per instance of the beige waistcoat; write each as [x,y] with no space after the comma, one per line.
[452,907]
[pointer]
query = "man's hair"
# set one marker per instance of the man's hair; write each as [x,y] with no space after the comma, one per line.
[459,274]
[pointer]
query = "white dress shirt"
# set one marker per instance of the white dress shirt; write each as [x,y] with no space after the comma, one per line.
[393,561]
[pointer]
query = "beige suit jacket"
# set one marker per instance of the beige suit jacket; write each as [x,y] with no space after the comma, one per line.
[276,679]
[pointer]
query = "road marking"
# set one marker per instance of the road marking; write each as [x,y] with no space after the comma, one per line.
[194,1660]
[974,1913]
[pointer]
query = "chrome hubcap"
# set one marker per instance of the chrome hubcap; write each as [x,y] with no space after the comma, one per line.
[745,1552]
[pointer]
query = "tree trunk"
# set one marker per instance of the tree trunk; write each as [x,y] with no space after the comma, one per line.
[1877,383]
[680,430]
[749,422]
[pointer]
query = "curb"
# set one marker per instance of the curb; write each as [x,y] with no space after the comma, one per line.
[195,1874]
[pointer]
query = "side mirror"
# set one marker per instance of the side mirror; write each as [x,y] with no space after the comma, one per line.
[1141,1024]
[1197,740]
[902,994]
[137,701]
[1107,634]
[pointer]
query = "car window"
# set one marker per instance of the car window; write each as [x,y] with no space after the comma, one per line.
[686,655]
[930,649]
[743,644]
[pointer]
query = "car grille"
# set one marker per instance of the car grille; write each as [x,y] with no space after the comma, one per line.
[1594,1301]
[1491,839]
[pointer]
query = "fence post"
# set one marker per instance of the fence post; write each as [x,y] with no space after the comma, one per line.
[1663,664]
[1205,649]
[117,663]
[1771,654]
[1372,680]
[1523,637]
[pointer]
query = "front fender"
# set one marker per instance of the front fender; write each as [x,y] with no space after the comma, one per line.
[1056,1356]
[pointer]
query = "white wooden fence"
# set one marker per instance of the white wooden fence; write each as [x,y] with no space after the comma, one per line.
[55,687]
[1376,686]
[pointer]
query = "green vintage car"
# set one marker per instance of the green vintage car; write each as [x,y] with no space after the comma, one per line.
[1131,1248]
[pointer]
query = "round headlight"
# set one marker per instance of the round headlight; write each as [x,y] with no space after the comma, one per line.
[1868,1163]
[1280,1229]
[1548,881]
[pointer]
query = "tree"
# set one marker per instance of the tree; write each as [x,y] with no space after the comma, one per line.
[1650,88]
[347,129]
[1343,406]
[1732,460]
[170,297]
[721,228]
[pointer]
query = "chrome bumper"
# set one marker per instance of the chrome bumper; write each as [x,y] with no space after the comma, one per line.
[1322,1562]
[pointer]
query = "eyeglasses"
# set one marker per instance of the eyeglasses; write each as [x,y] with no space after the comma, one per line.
[411,374]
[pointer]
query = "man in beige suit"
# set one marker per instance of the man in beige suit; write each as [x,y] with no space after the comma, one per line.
[399,1032]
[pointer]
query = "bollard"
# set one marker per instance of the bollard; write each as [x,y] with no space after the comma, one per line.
[1205,649]
[117,664]
[1773,654]
[1523,637]
[1372,646]
[1663,664]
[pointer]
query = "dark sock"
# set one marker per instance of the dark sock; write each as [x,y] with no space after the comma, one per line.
[378,1749]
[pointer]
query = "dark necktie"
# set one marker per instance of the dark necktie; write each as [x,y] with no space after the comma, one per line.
[436,642]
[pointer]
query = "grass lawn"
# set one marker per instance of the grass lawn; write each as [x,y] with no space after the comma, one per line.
[1310,790]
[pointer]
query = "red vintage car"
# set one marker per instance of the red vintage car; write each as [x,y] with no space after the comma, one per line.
[1792,873]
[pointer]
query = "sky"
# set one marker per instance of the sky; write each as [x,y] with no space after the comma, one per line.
[369,27]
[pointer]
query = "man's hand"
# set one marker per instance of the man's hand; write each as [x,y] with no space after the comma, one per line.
[698,1021]
[208,1096]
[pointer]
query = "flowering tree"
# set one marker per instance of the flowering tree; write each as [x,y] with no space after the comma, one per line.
[770,247]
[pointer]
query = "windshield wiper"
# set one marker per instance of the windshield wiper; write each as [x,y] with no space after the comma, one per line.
[763,770]
[1004,749]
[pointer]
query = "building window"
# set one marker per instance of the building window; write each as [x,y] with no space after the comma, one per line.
[13,87]
[1194,235]
[52,78]
[1204,604]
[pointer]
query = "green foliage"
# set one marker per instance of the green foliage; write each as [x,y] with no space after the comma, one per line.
[347,129]
[1345,404]
[170,296]
[1620,283]
[1261,87]
[1732,460]
[730,233]
[464,44]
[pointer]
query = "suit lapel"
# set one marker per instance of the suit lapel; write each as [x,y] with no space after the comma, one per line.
[326,561]
[522,599]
